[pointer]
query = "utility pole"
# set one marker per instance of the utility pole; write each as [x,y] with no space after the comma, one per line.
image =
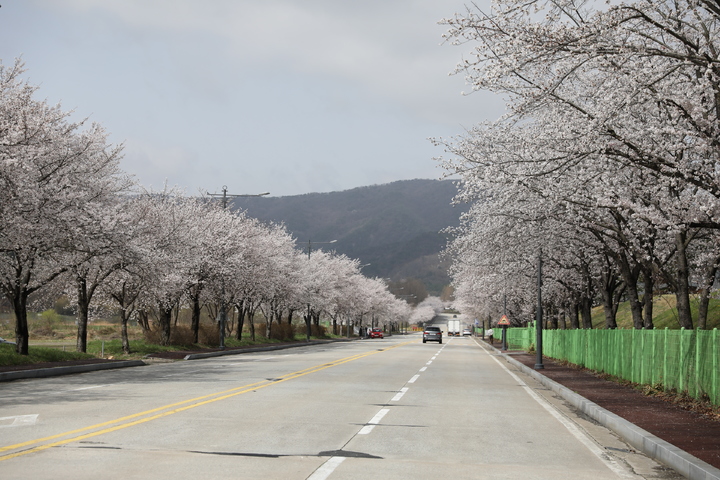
[223,306]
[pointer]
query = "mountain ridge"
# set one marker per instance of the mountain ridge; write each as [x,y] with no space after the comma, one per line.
[394,228]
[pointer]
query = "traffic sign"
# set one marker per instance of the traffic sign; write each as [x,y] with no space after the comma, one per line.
[504,322]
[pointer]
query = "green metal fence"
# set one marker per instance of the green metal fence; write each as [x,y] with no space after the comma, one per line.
[681,360]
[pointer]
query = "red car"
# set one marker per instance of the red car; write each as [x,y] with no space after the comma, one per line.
[376,333]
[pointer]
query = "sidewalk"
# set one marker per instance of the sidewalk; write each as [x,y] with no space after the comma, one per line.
[684,440]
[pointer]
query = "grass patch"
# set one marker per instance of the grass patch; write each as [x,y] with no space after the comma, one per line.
[664,313]
[38,355]
[138,349]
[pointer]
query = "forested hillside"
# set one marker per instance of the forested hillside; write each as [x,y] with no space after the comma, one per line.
[395,228]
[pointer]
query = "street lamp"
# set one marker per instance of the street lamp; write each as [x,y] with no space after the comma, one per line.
[223,308]
[310,245]
[539,318]
[224,195]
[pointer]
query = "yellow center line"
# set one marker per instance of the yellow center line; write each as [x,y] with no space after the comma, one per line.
[127,421]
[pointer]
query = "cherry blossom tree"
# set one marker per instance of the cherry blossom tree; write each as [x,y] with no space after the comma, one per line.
[57,178]
[611,130]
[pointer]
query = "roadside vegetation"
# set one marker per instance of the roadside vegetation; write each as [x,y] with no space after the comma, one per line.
[54,339]
[664,313]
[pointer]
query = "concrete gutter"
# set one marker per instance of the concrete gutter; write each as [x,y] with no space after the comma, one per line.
[70,369]
[654,447]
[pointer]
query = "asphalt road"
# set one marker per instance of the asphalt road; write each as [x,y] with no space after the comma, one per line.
[371,409]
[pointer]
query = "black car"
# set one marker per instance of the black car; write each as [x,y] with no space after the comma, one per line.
[434,334]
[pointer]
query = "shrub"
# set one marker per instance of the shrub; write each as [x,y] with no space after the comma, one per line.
[48,322]
[182,335]
[282,331]
[152,336]
[317,331]
[104,331]
[209,334]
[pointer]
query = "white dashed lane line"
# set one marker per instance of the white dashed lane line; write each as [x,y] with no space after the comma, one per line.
[399,395]
[326,468]
[374,421]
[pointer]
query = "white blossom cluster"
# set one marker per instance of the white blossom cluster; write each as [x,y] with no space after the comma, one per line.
[72,221]
[606,164]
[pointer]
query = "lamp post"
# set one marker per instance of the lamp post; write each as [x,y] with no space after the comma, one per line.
[539,318]
[223,307]
[310,245]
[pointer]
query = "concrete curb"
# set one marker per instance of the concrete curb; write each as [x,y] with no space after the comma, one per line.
[56,371]
[238,351]
[647,443]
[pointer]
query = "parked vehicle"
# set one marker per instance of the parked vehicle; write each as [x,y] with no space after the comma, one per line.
[376,333]
[433,334]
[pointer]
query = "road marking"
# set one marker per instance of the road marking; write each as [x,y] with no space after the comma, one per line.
[326,468]
[374,421]
[399,395]
[166,410]
[378,416]
[428,363]
[18,420]
[433,358]
[569,425]
[423,369]
[412,380]
[88,388]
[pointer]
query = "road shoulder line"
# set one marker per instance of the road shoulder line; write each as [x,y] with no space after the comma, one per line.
[647,443]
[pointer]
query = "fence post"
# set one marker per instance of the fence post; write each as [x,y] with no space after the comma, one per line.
[681,362]
[665,353]
[697,389]
[714,388]
[633,363]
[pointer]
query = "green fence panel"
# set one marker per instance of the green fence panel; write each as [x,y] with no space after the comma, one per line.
[680,360]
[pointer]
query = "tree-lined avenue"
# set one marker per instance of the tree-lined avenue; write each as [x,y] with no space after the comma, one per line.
[394,408]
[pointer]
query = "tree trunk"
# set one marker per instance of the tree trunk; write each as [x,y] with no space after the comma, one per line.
[703,307]
[195,322]
[83,307]
[648,299]
[251,319]
[609,305]
[143,320]
[165,319]
[586,312]
[124,331]
[630,277]
[704,303]
[682,293]
[22,336]
[563,318]
[574,316]
[308,328]
[242,310]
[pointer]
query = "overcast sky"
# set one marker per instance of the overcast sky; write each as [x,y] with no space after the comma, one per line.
[285,96]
